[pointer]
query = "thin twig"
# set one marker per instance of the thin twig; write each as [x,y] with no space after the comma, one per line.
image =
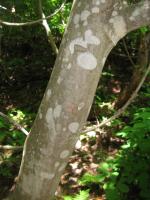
[121,110]
[2,7]
[47,29]
[35,21]
[9,147]
[18,126]
[128,54]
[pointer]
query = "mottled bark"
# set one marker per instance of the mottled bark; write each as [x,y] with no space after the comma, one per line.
[95,26]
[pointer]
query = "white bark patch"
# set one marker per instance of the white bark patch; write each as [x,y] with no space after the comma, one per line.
[76,19]
[77,87]
[125,2]
[40,115]
[119,28]
[48,94]
[64,154]
[73,127]
[87,61]
[49,115]
[85,14]
[78,41]
[114,13]
[80,106]
[50,122]
[111,20]
[43,152]
[90,38]
[95,10]
[79,4]
[85,23]
[65,59]
[135,14]
[56,164]
[96,2]
[57,111]
[69,66]
[62,167]
[59,80]
[46,175]
[87,7]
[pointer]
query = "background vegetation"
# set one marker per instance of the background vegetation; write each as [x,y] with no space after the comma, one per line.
[111,162]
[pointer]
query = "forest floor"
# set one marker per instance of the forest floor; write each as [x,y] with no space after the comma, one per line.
[90,151]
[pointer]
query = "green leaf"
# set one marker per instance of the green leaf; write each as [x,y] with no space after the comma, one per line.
[83,195]
[112,195]
[68,198]
[126,146]
[104,167]
[90,178]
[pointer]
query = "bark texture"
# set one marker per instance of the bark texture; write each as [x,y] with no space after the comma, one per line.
[95,26]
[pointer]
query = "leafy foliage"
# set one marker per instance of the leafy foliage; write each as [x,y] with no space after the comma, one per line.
[83,195]
[127,173]
[25,69]
[8,133]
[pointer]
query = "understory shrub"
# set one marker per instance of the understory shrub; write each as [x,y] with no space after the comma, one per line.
[127,175]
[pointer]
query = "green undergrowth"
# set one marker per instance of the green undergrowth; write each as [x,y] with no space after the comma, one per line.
[9,133]
[83,195]
[127,175]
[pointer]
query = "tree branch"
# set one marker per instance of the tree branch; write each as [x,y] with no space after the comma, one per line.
[33,22]
[9,147]
[47,28]
[121,110]
[127,52]
[136,15]
[2,7]
[18,126]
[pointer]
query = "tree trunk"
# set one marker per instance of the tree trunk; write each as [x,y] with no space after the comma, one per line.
[95,26]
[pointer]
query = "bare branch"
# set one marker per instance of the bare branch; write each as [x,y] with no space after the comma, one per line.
[9,147]
[127,52]
[18,126]
[2,7]
[47,29]
[121,110]
[33,22]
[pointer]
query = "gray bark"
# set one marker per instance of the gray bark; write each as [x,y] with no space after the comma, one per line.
[94,28]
